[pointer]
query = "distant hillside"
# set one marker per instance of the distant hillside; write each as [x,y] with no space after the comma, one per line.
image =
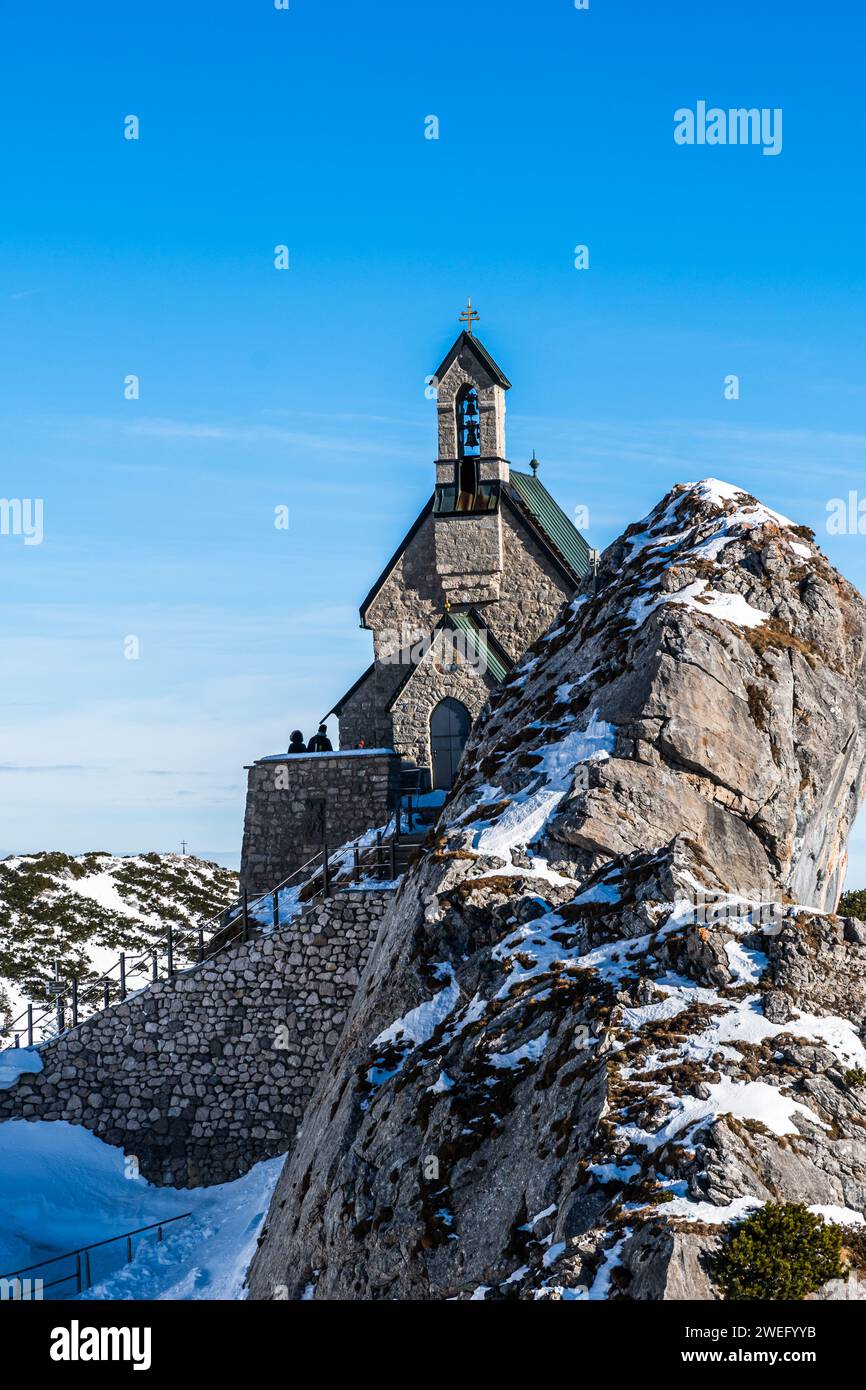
[84,909]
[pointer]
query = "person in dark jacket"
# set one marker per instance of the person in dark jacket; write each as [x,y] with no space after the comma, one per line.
[320,743]
[296,742]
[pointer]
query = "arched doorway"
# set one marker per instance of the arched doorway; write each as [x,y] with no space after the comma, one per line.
[449,729]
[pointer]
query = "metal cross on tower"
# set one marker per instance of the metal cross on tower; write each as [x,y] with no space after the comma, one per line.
[468,316]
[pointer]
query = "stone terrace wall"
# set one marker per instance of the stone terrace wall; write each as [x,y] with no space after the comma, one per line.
[294,801]
[201,1076]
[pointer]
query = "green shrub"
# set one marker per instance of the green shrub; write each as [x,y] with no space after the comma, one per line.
[781,1251]
[855,1076]
[853,904]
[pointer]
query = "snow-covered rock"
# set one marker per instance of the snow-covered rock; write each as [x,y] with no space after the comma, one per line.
[617,887]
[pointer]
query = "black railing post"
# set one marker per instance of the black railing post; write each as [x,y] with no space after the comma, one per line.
[356,872]
[276,909]
[86,1254]
[379,861]
[201,943]
[59,996]
[122,976]
[154,966]
[16,1040]
[170,952]
[29,1025]
[326,876]
[75,1001]
[106,994]
[129,1250]
[245,925]
[78,1282]
[393,856]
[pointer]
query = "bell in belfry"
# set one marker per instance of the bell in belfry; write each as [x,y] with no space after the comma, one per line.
[472,435]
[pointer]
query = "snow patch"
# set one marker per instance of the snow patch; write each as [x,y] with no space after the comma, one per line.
[15,1061]
[419,1024]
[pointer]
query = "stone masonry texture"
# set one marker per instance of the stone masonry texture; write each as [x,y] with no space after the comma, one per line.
[201,1076]
[293,803]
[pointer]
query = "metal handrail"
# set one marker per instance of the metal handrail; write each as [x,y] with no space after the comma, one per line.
[383,857]
[123,964]
[284,883]
[82,1274]
[239,914]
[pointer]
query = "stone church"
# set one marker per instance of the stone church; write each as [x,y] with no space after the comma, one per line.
[480,574]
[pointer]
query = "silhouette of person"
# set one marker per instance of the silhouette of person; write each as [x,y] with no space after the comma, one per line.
[320,743]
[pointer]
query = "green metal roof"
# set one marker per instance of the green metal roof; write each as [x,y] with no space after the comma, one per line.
[552,520]
[480,643]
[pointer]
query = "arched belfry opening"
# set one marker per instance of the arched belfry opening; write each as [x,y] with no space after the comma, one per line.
[468,423]
[468,447]
[450,723]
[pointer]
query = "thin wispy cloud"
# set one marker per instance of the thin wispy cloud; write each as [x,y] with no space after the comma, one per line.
[43,767]
[672,443]
[257,434]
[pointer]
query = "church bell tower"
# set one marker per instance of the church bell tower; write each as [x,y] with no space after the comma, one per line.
[471,468]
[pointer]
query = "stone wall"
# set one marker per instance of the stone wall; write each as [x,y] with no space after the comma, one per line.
[532,593]
[202,1076]
[295,802]
[411,600]
[469,557]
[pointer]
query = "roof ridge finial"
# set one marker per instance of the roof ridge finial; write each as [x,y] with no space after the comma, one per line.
[533,463]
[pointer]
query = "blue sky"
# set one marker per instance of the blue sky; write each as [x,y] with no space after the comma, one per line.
[305,387]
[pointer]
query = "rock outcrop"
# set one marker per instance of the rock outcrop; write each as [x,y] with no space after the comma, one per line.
[610,1010]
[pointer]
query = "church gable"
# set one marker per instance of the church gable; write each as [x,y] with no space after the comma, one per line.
[467,349]
[460,644]
[453,669]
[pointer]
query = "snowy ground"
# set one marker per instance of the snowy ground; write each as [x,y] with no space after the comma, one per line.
[62,1188]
